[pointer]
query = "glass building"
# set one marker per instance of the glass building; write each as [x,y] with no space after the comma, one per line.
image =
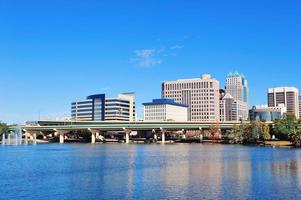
[265,113]
[99,108]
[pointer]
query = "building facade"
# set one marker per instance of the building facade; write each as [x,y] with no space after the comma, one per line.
[99,108]
[289,96]
[237,87]
[299,106]
[231,109]
[91,109]
[165,110]
[265,113]
[200,94]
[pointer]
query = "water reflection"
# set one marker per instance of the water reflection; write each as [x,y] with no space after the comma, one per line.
[149,172]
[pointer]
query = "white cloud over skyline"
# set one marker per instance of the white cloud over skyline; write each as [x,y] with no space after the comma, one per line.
[149,57]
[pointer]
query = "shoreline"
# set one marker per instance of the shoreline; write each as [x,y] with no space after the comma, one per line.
[281,144]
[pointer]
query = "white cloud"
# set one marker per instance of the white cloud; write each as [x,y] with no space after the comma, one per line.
[147,57]
[176,47]
[151,57]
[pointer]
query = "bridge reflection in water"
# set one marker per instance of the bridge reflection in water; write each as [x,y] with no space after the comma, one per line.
[85,171]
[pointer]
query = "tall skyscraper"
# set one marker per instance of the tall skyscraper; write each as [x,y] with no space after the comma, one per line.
[200,94]
[237,87]
[289,96]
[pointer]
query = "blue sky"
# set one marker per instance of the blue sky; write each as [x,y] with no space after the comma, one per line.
[54,52]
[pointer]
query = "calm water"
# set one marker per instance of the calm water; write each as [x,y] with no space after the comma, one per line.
[117,171]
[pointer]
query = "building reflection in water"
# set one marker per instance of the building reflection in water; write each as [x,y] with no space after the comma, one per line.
[180,172]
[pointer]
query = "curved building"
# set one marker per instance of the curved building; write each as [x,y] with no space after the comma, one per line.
[265,113]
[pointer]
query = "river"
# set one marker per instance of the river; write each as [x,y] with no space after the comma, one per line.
[176,171]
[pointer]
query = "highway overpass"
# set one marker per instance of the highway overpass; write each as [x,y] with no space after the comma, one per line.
[96,128]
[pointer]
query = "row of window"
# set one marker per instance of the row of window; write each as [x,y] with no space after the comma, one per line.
[192,85]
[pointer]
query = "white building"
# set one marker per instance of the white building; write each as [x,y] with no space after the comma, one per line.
[165,110]
[289,96]
[237,87]
[200,94]
[299,105]
[99,108]
[121,108]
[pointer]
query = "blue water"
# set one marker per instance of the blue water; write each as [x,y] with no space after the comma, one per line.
[120,171]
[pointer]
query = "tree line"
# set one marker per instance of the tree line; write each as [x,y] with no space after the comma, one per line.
[287,128]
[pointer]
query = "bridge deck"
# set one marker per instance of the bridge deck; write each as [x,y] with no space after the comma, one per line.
[118,126]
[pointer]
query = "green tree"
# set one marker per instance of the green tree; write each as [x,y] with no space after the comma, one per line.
[284,127]
[236,134]
[265,134]
[250,133]
[295,137]
[3,128]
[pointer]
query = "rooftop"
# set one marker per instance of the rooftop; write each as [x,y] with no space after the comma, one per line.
[164,102]
[202,77]
[235,74]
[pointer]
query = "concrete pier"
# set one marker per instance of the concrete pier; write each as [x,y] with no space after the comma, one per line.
[34,136]
[127,135]
[61,133]
[163,132]
[94,134]
[93,138]
[62,138]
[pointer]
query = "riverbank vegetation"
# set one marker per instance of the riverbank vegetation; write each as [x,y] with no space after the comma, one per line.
[286,129]
[3,128]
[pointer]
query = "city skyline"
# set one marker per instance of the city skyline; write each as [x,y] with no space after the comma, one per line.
[47,63]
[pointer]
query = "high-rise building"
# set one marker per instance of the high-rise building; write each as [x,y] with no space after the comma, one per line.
[299,105]
[237,87]
[200,94]
[289,96]
[99,108]
[231,109]
[165,110]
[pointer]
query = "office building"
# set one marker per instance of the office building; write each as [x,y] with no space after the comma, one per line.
[299,106]
[99,108]
[91,109]
[268,114]
[165,110]
[237,87]
[200,94]
[289,96]
[231,109]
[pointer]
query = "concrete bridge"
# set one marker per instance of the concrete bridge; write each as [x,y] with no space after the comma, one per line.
[97,128]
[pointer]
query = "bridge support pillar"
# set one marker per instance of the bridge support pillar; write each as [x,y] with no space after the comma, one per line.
[155,135]
[163,132]
[201,134]
[93,138]
[94,135]
[127,135]
[61,134]
[62,138]
[34,136]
